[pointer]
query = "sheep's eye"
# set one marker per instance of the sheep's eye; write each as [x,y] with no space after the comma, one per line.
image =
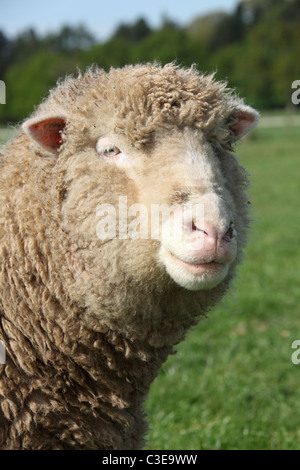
[109,151]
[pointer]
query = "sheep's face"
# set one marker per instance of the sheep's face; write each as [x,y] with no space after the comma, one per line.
[198,238]
[185,205]
[171,206]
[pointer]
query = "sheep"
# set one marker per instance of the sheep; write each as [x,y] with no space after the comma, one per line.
[87,320]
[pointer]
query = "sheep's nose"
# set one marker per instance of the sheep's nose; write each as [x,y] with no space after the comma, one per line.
[214,233]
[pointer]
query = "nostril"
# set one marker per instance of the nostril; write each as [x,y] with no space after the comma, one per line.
[208,229]
[194,227]
[204,230]
[229,234]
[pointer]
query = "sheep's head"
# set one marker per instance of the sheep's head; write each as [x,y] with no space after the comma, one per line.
[151,188]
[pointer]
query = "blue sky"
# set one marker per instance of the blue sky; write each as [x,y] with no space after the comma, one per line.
[101,17]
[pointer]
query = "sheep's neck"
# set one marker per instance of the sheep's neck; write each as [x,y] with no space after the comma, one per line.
[122,369]
[90,390]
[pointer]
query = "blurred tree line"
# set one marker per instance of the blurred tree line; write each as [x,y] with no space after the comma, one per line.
[256,48]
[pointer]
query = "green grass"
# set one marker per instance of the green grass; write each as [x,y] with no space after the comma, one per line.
[6,133]
[232,384]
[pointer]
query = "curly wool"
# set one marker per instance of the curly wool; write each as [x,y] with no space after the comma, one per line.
[87,327]
[150,97]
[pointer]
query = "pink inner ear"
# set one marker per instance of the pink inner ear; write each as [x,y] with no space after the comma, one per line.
[48,132]
[245,121]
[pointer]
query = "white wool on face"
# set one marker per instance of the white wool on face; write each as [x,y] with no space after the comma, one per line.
[111,153]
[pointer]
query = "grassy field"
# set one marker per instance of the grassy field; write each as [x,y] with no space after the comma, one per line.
[6,134]
[232,384]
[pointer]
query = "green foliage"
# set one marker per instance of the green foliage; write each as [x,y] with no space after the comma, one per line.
[136,32]
[256,48]
[69,39]
[27,83]
[164,45]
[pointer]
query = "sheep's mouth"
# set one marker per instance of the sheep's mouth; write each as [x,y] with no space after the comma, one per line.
[194,275]
[198,268]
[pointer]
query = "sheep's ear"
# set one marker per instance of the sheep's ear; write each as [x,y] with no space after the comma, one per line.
[46,131]
[244,119]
